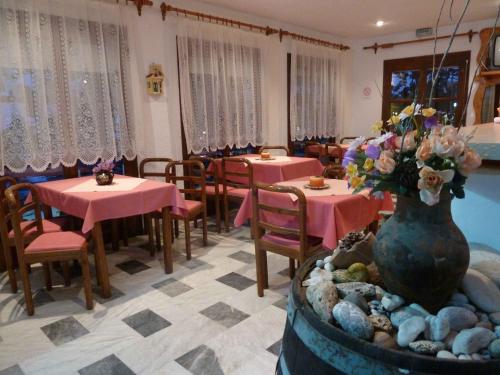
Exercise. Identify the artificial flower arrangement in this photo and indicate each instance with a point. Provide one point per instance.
(104, 166)
(103, 172)
(416, 156)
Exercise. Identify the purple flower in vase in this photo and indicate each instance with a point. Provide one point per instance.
(430, 122)
(349, 157)
(372, 152)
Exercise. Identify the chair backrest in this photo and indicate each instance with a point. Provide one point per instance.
(194, 178)
(213, 174)
(260, 225)
(237, 173)
(17, 210)
(334, 152)
(158, 164)
(284, 148)
(334, 171)
(308, 150)
(5, 222)
(347, 139)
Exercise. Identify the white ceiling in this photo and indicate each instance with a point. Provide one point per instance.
(357, 18)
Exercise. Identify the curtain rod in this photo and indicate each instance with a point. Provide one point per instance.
(376, 46)
(267, 30)
(138, 4)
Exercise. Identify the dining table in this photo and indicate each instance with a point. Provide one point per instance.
(277, 168)
(127, 196)
(332, 212)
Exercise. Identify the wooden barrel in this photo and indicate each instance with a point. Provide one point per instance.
(313, 347)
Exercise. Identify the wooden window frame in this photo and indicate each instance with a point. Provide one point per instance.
(423, 64)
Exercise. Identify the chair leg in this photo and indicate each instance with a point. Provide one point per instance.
(187, 232)
(47, 276)
(217, 213)
(226, 213)
(115, 240)
(149, 225)
(264, 267)
(97, 273)
(205, 228)
(28, 298)
(124, 232)
(158, 234)
(87, 286)
(176, 228)
(66, 273)
(259, 272)
(291, 268)
(9, 265)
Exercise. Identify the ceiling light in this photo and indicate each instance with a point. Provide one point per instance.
(380, 23)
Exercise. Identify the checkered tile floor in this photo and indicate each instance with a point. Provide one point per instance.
(205, 318)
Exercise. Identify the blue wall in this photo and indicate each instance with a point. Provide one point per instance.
(478, 215)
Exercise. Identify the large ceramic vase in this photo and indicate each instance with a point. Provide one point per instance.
(421, 253)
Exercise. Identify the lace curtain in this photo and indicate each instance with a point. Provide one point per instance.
(64, 84)
(221, 86)
(314, 91)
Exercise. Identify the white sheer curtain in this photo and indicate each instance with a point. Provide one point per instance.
(64, 84)
(315, 84)
(221, 79)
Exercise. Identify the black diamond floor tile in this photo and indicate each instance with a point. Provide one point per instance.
(224, 314)
(110, 365)
(201, 361)
(132, 266)
(64, 330)
(172, 287)
(146, 322)
(236, 281)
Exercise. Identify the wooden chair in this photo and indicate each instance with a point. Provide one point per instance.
(284, 148)
(194, 187)
(333, 153)
(213, 185)
(347, 139)
(334, 171)
(237, 181)
(293, 243)
(159, 164)
(308, 152)
(7, 234)
(44, 247)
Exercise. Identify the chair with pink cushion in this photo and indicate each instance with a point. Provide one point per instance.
(7, 234)
(290, 241)
(44, 247)
(237, 181)
(194, 180)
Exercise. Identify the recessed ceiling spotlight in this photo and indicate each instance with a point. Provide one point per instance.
(380, 23)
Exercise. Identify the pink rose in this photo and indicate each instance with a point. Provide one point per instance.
(424, 151)
(431, 182)
(409, 140)
(385, 163)
(469, 161)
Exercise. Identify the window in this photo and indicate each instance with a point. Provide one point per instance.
(410, 78)
(220, 79)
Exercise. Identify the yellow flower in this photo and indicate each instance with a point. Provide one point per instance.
(357, 181)
(378, 126)
(352, 169)
(409, 110)
(368, 165)
(394, 120)
(428, 112)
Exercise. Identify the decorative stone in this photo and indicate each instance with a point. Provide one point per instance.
(481, 291)
(495, 318)
(392, 301)
(358, 300)
(444, 354)
(458, 317)
(482, 317)
(357, 272)
(404, 313)
(320, 263)
(450, 339)
(359, 252)
(437, 328)
(465, 357)
(384, 340)
(322, 297)
(328, 259)
(464, 305)
(340, 276)
(329, 267)
(459, 298)
(497, 331)
(373, 274)
(472, 340)
(494, 348)
(353, 320)
(426, 347)
(381, 323)
(379, 293)
(417, 307)
(486, 261)
(409, 330)
(366, 290)
(477, 357)
(316, 276)
(486, 325)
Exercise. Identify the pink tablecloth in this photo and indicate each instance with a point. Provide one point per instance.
(328, 217)
(270, 172)
(95, 206)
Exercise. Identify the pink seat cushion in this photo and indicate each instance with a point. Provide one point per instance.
(289, 240)
(191, 206)
(56, 241)
(211, 189)
(236, 192)
(49, 226)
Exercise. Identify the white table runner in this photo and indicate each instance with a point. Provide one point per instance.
(337, 187)
(119, 184)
